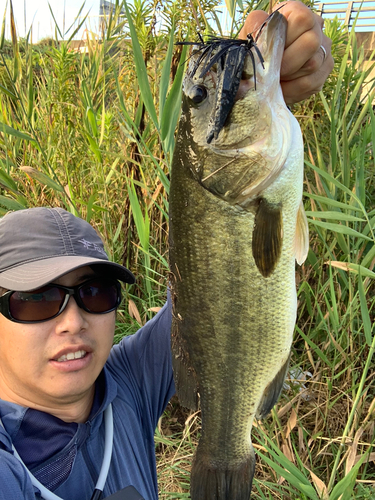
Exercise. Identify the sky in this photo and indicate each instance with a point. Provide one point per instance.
(38, 14)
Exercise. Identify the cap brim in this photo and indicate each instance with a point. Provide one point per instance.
(35, 274)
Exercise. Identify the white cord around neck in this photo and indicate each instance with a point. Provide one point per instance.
(108, 445)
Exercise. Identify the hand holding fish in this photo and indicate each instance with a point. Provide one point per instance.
(307, 59)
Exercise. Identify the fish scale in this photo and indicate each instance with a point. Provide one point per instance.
(236, 229)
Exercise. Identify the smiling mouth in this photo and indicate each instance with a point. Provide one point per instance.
(72, 355)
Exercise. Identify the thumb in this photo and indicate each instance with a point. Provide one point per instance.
(253, 21)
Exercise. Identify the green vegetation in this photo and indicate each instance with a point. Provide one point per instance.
(93, 131)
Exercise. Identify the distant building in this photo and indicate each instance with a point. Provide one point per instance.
(105, 8)
(361, 13)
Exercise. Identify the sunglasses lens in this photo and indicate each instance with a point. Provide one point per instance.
(37, 305)
(100, 295)
(96, 296)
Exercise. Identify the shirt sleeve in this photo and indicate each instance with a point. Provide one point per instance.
(15, 483)
(142, 363)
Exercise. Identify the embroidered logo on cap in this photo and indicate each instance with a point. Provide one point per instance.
(92, 246)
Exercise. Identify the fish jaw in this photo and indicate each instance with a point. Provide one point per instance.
(271, 43)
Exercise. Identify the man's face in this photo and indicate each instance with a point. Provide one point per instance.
(34, 369)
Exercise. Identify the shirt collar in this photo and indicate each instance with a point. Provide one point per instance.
(13, 415)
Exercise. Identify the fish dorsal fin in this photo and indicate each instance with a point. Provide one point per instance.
(272, 392)
(301, 242)
(267, 237)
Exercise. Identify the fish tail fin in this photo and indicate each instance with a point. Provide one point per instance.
(212, 482)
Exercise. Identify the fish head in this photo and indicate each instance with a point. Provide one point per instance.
(229, 102)
(237, 134)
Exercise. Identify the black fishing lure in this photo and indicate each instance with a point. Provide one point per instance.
(216, 49)
(229, 54)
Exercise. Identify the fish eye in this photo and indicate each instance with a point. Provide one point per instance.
(198, 94)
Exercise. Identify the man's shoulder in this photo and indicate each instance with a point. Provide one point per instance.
(14, 479)
(141, 366)
(153, 336)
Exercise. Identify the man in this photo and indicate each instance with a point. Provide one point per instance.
(62, 384)
(53, 388)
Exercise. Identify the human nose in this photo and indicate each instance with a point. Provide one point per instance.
(72, 319)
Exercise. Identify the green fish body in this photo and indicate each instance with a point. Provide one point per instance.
(236, 228)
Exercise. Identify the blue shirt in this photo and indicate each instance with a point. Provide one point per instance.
(66, 457)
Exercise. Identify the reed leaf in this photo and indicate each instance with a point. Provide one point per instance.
(332, 202)
(364, 310)
(15, 133)
(164, 80)
(172, 106)
(79, 26)
(290, 472)
(355, 268)
(345, 487)
(57, 29)
(7, 181)
(334, 216)
(141, 70)
(16, 54)
(337, 183)
(7, 92)
(11, 203)
(94, 147)
(43, 178)
(142, 222)
(231, 6)
(340, 228)
(369, 259)
(118, 229)
(2, 35)
(30, 94)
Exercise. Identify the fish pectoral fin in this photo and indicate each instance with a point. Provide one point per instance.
(272, 392)
(302, 236)
(267, 237)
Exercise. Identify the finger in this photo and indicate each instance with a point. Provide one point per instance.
(299, 90)
(304, 37)
(300, 19)
(304, 28)
(305, 86)
(253, 22)
(320, 58)
(297, 55)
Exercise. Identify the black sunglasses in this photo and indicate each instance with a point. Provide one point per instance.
(97, 296)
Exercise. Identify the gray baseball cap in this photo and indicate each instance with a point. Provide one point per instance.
(38, 245)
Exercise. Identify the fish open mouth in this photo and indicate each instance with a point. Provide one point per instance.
(226, 57)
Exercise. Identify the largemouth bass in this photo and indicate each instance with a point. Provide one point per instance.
(236, 228)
